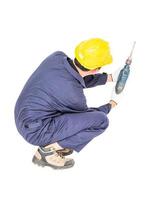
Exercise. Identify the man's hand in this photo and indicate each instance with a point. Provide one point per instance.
(115, 74)
(113, 103)
(109, 79)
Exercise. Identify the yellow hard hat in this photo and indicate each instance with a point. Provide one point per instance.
(93, 53)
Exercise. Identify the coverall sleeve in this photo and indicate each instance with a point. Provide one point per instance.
(96, 79)
(106, 108)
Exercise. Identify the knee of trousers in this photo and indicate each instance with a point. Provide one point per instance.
(102, 120)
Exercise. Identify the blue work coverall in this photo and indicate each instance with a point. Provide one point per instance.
(52, 106)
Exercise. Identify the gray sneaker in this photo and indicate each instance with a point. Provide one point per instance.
(50, 157)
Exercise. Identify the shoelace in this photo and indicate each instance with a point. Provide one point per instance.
(60, 154)
(55, 153)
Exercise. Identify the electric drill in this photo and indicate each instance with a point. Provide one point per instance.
(124, 73)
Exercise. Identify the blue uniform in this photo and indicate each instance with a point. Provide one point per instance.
(52, 106)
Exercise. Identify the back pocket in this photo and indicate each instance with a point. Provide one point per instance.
(34, 125)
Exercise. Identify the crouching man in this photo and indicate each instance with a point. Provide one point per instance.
(51, 111)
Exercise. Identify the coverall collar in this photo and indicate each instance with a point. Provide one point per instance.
(73, 72)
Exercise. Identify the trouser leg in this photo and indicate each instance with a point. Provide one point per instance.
(75, 130)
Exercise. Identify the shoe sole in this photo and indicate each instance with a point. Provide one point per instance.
(42, 163)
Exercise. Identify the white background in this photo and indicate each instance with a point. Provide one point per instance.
(127, 161)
